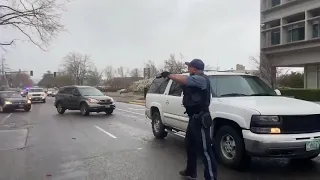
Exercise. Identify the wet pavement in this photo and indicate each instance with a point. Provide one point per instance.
(113, 147)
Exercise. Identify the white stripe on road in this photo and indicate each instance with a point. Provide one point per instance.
(4, 119)
(130, 112)
(137, 109)
(109, 134)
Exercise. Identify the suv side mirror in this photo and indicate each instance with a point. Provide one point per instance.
(277, 92)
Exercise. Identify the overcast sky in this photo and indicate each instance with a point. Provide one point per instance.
(130, 32)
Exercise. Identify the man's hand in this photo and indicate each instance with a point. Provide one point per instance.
(165, 74)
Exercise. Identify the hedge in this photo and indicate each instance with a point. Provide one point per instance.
(304, 94)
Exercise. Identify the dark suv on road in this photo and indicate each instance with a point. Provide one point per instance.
(12, 100)
(84, 98)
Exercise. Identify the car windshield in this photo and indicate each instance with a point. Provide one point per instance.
(239, 85)
(36, 90)
(10, 95)
(90, 91)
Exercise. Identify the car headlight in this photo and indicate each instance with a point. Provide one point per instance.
(8, 102)
(29, 102)
(93, 100)
(265, 124)
(111, 99)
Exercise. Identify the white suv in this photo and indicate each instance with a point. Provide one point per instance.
(249, 118)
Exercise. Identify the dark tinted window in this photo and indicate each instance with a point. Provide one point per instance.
(10, 94)
(175, 89)
(158, 86)
(67, 90)
(239, 86)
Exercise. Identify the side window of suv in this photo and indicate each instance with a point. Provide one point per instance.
(68, 90)
(158, 86)
(175, 89)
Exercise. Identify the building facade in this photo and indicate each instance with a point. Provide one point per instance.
(290, 36)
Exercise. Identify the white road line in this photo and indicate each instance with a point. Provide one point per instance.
(109, 134)
(130, 112)
(4, 119)
(137, 109)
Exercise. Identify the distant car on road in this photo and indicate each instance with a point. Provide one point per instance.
(84, 98)
(37, 95)
(11, 100)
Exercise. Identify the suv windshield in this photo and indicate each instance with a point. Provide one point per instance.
(10, 95)
(239, 85)
(90, 91)
(36, 90)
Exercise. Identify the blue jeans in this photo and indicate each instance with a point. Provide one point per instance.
(198, 141)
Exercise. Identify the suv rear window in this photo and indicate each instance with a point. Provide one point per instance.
(158, 86)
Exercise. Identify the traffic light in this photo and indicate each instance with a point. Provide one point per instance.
(31, 73)
(54, 74)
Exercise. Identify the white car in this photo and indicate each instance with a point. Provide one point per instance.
(249, 119)
(37, 95)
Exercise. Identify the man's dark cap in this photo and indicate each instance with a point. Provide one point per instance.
(196, 63)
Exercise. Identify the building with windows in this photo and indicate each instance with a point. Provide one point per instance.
(290, 36)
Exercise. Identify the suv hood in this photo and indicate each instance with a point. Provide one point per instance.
(274, 105)
(36, 93)
(99, 97)
(16, 99)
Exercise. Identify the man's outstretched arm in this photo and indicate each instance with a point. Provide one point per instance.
(180, 79)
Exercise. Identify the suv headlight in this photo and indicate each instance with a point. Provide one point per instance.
(265, 124)
(93, 100)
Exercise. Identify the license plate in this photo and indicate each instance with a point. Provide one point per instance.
(312, 145)
(107, 106)
(21, 105)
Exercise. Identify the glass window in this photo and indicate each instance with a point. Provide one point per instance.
(234, 85)
(275, 37)
(275, 3)
(316, 30)
(67, 90)
(296, 33)
(175, 89)
(36, 90)
(10, 95)
(90, 91)
(158, 86)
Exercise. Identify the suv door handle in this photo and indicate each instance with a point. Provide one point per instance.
(167, 102)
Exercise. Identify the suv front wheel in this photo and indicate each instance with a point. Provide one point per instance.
(158, 127)
(84, 109)
(230, 148)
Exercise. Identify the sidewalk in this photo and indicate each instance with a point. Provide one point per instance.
(127, 98)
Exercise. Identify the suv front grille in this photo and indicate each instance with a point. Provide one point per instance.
(36, 94)
(108, 101)
(300, 124)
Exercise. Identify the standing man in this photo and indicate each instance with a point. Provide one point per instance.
(196, 100)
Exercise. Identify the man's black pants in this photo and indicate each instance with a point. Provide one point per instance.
(198, 141)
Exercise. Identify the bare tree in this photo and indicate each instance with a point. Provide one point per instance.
(174, 66)
(77, 66)
(266, 70)
(153, 69)
(120, 71)
(38, 20)
(135, 72)
(94, 77)
(109, 73)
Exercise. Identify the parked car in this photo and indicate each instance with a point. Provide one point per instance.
(84, 98)
(249, 118)
(12, 100)
(37, 95)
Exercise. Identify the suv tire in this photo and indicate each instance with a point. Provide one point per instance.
(84, 109)
(109, 111)
(158, 127)
(27, 109)
(60, 108)
(228, 139)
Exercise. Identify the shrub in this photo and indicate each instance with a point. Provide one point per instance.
(139, 86)
(304, 94)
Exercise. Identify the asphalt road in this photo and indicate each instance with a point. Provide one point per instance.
(116, 147)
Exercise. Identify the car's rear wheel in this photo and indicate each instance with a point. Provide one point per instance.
(230, 148)
(109, 111)
(158, 127)
(44, 101)
(60, 108)
(84, 109)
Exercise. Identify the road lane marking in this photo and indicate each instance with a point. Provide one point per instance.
(137, 109)
(109, 134)
(130, 112)
(125, 115)
(4, 119)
